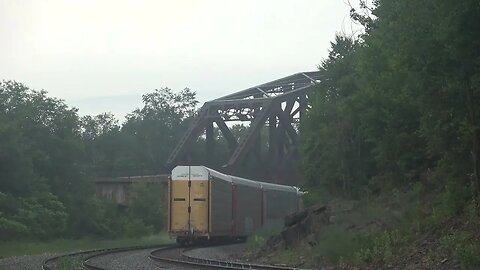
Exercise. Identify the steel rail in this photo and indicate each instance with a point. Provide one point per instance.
(46, 263)
(201, 262)
(86, 264)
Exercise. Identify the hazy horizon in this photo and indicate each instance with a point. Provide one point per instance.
(86, 51)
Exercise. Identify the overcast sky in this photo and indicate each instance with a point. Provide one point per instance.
(103, 55)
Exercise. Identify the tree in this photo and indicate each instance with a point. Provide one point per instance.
(107, 148)
(147, 204)
(157, 126)
(41, 160)
(422, 58)
(403, 103)
(334, 151)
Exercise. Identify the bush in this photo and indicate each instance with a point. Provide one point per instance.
(336, 242)
(256, 242)
(452, 201)
(93, 217)
(41, 216)
(11, 229)
(315, 196)
(136, 228)
(383, 248)
(45, 215)
(147, 204)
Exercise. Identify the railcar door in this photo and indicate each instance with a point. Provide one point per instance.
(199, 200)
(199, 191)
(179, 202)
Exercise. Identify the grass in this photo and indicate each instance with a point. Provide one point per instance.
(361, 229)
(381, 231)
(16, 248)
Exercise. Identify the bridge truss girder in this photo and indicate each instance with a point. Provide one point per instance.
(277, 105)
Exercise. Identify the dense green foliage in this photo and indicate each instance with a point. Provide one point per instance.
(142, 144)
(49, 157)
(399, 104)
(396, 112)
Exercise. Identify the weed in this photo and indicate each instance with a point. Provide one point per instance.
(461, 246)
(337, 241)
(449, 203)
(473, 213)
(287, 256)
(382, 249)
(66, 263)
(256, 243)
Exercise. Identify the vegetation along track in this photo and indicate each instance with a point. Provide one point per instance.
(179, 256)
(85, 256)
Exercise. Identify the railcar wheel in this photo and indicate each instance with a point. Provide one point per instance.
(182, 242)
(241, 239)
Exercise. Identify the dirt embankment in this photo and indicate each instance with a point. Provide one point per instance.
(302, 226)
(299, 229)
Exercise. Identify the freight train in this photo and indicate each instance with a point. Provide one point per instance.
(206, 205)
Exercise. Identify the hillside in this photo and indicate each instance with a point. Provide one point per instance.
(391, 144)
(394, 232)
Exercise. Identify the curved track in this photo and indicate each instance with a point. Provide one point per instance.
(178, 256)
(170, 256)
(86, 256)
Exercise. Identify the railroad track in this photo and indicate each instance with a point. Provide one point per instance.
(85, 257)
(170, 254)
(180, 257)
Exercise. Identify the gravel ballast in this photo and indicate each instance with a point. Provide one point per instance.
(221, 253)
(25, 262)
(136, 259)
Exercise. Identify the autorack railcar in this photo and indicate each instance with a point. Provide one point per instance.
(206, 205)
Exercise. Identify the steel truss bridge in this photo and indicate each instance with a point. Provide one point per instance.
(276, 106)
